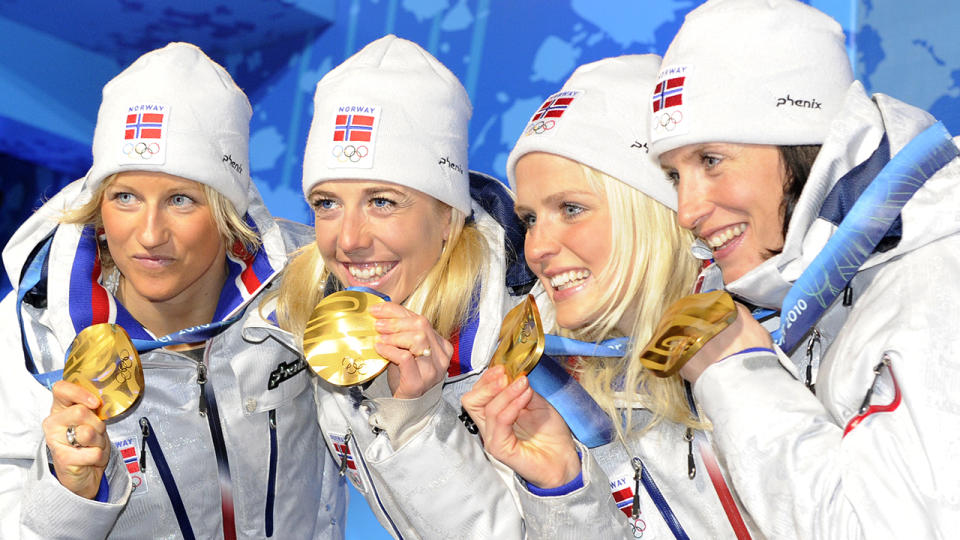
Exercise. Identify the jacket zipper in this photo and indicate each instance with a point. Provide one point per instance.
(166, 476)
(363, 464)
(208, 408)
(202, 382)
(641, 475)
(272, 477)
(810, 376)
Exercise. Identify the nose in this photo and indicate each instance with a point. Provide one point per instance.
(540, 244)
(354, 234)
(154, 229)
(693, 202)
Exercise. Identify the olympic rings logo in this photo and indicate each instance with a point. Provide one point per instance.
(669, 121)
(638, 526)
(542, 126)
(144, 150)
(349, 153)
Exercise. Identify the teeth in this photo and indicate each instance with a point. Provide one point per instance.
(569, 279)
(726, 235)
(368, 272)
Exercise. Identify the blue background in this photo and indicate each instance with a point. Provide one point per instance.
(56, 56)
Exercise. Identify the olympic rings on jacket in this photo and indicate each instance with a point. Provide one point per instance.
(349, 153)
(146, 151)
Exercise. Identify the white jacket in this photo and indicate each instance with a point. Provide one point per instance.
(422, 473)
(894, 475)
(282, 478)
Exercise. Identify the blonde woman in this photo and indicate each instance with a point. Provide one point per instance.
(167, 237)
(603, 238)
(386, 174)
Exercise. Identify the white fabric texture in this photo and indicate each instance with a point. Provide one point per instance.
(175, 111)
(391, 113)
(753, 71)
(600, 119)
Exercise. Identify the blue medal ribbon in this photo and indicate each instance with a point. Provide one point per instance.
(589, 423)
(861, 230)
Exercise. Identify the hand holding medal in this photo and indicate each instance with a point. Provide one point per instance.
(103, 378)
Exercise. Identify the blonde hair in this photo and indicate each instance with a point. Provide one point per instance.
(231, 225)
(651, 267)
(443, 297)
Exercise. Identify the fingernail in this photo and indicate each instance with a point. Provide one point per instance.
(520, 382)
(380, 324)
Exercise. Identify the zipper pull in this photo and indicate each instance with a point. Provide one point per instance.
(637, 467)
(885, 361)
(814, 340)
(346, 450)
(691, 465)
(272, 418)
(202, 381)
(145, 431)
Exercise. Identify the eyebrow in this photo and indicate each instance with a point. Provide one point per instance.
(367, 192)
(556, 199)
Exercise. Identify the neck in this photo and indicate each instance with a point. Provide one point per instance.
(194, 306)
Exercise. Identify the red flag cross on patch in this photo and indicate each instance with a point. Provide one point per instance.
(668, 93)
(624, 500)
(553, 107)
(344, 452)
(143, 126)
(353, 127)
(129, 454)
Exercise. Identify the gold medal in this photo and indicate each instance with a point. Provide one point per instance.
(521, 339)
(338, 342)
(104, 361)
(685, 327)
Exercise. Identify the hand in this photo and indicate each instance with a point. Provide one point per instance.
(744, 333)
(418, 356)
(79, 468)
(522, 430)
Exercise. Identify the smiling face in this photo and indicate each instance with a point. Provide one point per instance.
(379, 235)
(730, 196)
(569, 234)
(163, 239)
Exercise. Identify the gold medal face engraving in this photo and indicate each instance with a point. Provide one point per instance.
(687, 324)
(521, 339)
(103, 360)
(338, 342)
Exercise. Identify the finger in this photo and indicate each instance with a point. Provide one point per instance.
(416, 343)
(389, 310)
(500, 427)
(486, 387)
(403, 362)
(66, 394)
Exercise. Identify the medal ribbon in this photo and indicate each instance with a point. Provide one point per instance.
(590, 424)
(861, 230)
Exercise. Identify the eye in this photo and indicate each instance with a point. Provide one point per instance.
(181, 200)
(570, 210)
(382, 202)
(527, 219)
(673, 177)
(323, 204)
(709, 160)
(123, 197)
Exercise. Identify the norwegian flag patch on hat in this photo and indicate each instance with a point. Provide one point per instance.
(354, 135)
(668, 117)
(549, 114)
(144, 135)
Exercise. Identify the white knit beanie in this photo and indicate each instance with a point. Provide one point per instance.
(392, 113)
(599, 118)
(175, 111)
(750, 71)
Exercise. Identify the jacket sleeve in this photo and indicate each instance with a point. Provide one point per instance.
(588, 512)
(890, 476)
(447, 486)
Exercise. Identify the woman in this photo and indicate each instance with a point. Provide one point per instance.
(865, 448)
(386, 173)
(167, 237)
(604, 241)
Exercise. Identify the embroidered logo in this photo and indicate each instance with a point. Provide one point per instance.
(667, 102)
(549, 114)
(130, 453)
(803, 103)
(144, 134)
(354, 136)
(285, 371)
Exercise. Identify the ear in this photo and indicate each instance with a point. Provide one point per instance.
(446, 213)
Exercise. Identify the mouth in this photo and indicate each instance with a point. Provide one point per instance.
(368, 273)
(153, 261)
(568, 283)
(724, 238)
